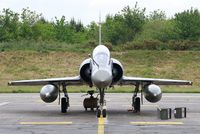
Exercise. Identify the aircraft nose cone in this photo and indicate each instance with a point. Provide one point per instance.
(102, 78)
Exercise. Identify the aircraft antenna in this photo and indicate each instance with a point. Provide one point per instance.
(100, 28)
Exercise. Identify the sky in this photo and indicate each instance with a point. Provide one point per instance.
(88, 10)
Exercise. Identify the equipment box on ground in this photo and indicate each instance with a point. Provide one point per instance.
(180, 112)
(164, 113)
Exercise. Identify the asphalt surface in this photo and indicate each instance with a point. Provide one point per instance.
(27, 114)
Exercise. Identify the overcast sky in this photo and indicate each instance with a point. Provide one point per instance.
(88, 10)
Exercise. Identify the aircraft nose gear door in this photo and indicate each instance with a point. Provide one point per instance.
(101, 112)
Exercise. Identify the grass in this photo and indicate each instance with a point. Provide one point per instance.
(44, 46)
(84, 89)
(64, 60)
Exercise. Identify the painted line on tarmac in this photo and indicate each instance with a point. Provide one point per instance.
(4, 103)
(101, 125)
(45, 123)
(156, 123)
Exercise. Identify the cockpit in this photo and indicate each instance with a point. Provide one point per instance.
(102, 59)
(101, 55)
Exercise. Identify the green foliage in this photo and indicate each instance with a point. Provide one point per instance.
(157, 15)
(162, 30)
(43, 30)
(123, 27)
(62, 30)
(92, 32)
(33, 26)
(184, 45)
(72, 32)
(187, 24)
(29, 19)
(84, 89)
(177, 45)
(145, 45)
(9, 22)
(130, 27)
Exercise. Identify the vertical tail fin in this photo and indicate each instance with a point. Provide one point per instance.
(100, 28)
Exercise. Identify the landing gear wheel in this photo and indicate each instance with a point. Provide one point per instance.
(63, 105)
(104, 113)
(64, 100)
(98, 113)
(137, 104)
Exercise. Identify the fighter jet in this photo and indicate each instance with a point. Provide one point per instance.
(102, 71)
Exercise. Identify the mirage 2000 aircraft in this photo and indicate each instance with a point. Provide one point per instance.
(101, 71)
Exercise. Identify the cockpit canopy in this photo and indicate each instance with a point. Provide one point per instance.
(101, 55)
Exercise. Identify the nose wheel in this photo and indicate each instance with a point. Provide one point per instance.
(101, 112)
(104, 113)
(98, 113)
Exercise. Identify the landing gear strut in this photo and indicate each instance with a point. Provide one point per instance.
(136, 100)
(64, 100)
(102, 108)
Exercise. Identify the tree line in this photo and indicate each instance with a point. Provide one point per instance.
(130, 27)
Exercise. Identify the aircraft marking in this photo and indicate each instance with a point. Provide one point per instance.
(101, 125)
(156, 123)
(45, 123)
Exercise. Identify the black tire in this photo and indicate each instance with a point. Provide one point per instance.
(104, 113)
(137, 104)
(67, 102)
(98, 113)
(63, 105)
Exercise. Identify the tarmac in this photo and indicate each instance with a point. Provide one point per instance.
(26, 114)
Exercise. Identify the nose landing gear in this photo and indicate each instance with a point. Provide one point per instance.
(101, 112)
(93, 102)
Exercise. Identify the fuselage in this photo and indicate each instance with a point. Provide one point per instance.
(101, 67)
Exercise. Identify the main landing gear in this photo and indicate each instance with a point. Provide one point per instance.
(101, 108)
(101, 111)
(64, 100)
(136, 100)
